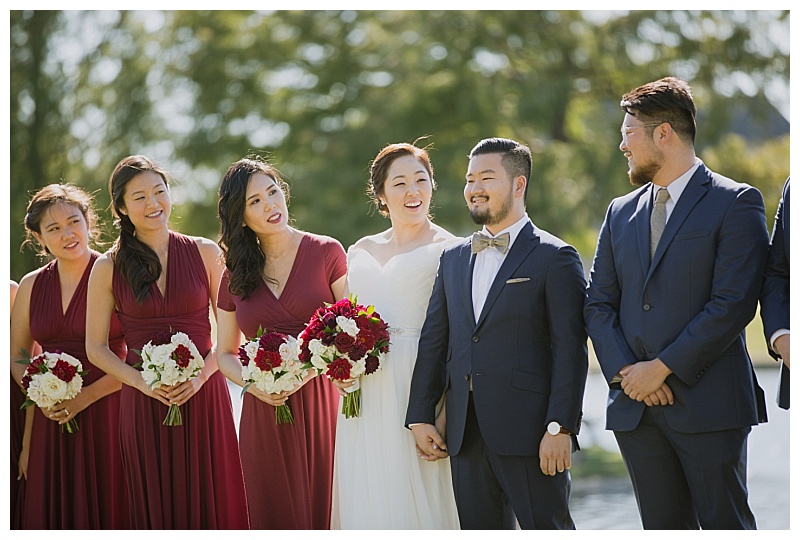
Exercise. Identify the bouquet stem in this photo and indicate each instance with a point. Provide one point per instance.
(174, 417)
(283, 414)
(351, 404)
(70, 427)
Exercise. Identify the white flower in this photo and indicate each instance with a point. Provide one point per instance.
(317, 348)
(357, 368)
(46, 390)
(348, 326)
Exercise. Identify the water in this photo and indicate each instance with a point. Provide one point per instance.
(610, 504)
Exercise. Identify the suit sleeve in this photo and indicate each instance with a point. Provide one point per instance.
(429, 377)
(775, 288)
(565, 288)
(740, 259)
(601, 308)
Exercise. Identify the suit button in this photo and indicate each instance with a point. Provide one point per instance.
(646, 307)
(466, 377)
(475, 339)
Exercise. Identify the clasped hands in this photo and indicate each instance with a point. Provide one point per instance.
(645, 381)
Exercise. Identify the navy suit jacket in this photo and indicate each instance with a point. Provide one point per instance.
(526, 355)
(689, 307)
(775, 290)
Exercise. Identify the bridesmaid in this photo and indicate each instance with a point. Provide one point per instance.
(74, 481)
(179, 477)
(276, 277)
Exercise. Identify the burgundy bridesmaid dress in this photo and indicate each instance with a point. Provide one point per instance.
(75, 480)
(288, 468)
(188, 476)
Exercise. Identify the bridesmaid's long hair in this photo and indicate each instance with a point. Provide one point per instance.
(51, 195)
(240, 247)
(135, 260)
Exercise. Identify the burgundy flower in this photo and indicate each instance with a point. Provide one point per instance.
(365, 341)
(339, 369)
(327, 339)
(64, 370)
(271, 341)
(357, 353)
(266, 360)
(26, 381)
(182, 356)
(344, 342)
(36, 365)
(305, 353)
(329, 320)
(373, 363)
(243, 358)
(274, 358)
(161, 338)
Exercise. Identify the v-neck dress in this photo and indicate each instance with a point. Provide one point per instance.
(288, 468)
(75, 480)
(188, 476)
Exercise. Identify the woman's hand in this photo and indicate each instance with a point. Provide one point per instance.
(68, 409)
(180, 393)
(341, 385)
(276, 400)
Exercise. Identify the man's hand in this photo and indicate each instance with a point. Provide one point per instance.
(430, 444)
(781, 346)
(662, 396)
(555, 453)
(643, 379)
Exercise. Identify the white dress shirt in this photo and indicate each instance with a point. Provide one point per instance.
(676, 188)
(488, 262)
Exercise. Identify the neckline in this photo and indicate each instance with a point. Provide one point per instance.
(292, 272)
(65, 312)
(393, 257)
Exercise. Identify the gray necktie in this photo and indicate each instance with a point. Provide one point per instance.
(481, 242)
(658, 219)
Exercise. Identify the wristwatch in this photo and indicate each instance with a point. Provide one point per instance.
(554, 428)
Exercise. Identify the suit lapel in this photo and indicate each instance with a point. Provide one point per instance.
(468, 262)
(525, 243)
(643, 210)
(694, 191)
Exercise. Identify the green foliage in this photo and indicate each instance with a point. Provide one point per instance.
(321, 92)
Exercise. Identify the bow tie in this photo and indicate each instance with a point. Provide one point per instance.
(481, 242)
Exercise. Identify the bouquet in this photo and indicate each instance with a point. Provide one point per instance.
(270, 361)
(169, 359)
(345, 340)
(50, 378)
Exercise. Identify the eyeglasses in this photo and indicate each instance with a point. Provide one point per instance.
(625, 131)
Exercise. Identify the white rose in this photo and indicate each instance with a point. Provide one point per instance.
(357, 368)
(51, 388)
(348, 326)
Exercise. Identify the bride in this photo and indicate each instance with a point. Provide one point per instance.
(379, 481)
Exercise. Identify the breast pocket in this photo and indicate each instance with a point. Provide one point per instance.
(521, 283)
(692, 235)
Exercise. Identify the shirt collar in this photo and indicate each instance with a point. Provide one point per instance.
(676, 187)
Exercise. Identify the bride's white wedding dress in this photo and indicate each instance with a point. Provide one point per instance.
(379, 482)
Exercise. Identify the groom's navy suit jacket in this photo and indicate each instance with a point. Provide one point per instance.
(689, 306)
(526, 356)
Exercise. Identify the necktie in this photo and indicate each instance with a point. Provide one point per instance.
(658, 219)
(481, 242)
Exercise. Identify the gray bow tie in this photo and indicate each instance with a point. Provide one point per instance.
(481, 242)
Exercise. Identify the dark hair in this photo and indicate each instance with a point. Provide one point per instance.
(240, 247)
(135, 260)
(379, 168)
(668, 100)
(53, 194)
(516, 157)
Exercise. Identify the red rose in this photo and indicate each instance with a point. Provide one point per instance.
(64, 370)
(339, 369)
(344, 342)
(182, 356)
(36, 365)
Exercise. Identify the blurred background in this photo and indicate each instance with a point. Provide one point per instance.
(321, 92)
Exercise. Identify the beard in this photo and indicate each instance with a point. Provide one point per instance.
(644, 174)
(487, 217)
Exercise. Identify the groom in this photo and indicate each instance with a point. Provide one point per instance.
(504, 341)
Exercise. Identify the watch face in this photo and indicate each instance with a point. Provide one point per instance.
(553, 428)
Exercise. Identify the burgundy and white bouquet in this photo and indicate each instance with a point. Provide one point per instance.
(345, 340)
(169, 359)
(270, 361)
(50, 378)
